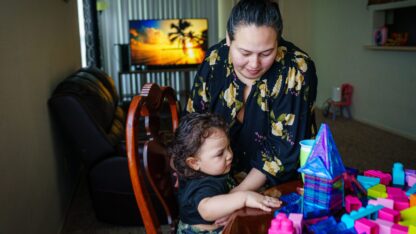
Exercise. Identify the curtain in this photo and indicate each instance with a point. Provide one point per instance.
(92, 42)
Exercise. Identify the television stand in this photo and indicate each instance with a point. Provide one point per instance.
(180, 79)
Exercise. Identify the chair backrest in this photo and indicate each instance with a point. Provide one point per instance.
(346, 90)
(148, 161)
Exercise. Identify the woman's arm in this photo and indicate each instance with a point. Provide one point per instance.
(213, 208)
(253, 181)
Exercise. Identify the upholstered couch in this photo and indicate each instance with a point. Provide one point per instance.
(85, 105)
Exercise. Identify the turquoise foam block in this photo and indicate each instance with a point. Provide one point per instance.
(369, 211)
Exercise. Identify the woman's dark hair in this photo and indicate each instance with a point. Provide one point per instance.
(255, 12)
(193, 129)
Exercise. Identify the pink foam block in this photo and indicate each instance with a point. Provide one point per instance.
(297, 220)
(384, 226)
(389, 215)
(394, 193)
(352, 203)
(385, 178)
(364, 225)
(411, 180)
(401, 203)
(399, 229)
(281, 224)
(389, 203)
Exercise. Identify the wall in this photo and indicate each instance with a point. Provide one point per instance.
(39, 46)
(334, 33)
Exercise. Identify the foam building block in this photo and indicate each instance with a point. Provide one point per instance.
(386, 202)
(367, 181)
(281, 225)
(384, 226)
(410, 172)
(385, 178)
(312, 221)
(370, 212)
(352, 186)
(412, 199)
(323, 226)
(389, 215)
(398, 174)
(411, 190)
(412, 229)
(401, 203)
(378, 190)
(410, 180)
(409, 214)
(364, 225)
(399, 229)
(292, 203)
(352, 203)
(297, 220)
(394, 193)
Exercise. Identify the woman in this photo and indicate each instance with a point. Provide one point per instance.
(264, 87)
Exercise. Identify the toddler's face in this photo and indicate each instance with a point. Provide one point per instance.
(215, 155)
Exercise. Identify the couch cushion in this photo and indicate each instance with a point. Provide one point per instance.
(93, 95)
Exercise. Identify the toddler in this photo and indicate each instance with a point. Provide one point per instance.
(202, 157)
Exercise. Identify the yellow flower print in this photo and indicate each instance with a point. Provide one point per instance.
(277, 128)
(190, 106)
(302, 64)
(202, 92)
(299, 81)
(294, 79)
(229, 95)
(233, 113)
(298, 53)
(291, 77)
(289, 119)
(276, 88)
(261, 98)
(213, 57)
(263, 106)
(272, 167)
(281, 51)
(263, 90)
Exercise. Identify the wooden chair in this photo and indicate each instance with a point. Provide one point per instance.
(148, 161)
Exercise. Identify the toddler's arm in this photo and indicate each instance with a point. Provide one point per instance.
(212, 208)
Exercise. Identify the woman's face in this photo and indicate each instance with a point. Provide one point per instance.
(252, 51)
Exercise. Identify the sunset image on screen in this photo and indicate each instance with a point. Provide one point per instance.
(168, 42)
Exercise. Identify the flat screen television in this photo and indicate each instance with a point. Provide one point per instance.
(168, 42)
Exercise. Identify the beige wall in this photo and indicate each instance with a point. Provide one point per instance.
(39, 46)
(334, 33)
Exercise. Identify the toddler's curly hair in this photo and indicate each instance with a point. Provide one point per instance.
(193, 129)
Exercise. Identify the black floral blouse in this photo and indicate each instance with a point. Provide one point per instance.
(278, 111)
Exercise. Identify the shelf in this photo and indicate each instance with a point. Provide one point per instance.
(392, 5)
(157, 70)
(391, 48)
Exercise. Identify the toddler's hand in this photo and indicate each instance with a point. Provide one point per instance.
(265, 203)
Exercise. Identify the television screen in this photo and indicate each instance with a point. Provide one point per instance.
(168, 42)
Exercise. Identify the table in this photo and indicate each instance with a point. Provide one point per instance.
(251, 220)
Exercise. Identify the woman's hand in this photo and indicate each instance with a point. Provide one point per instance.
(256, 200)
